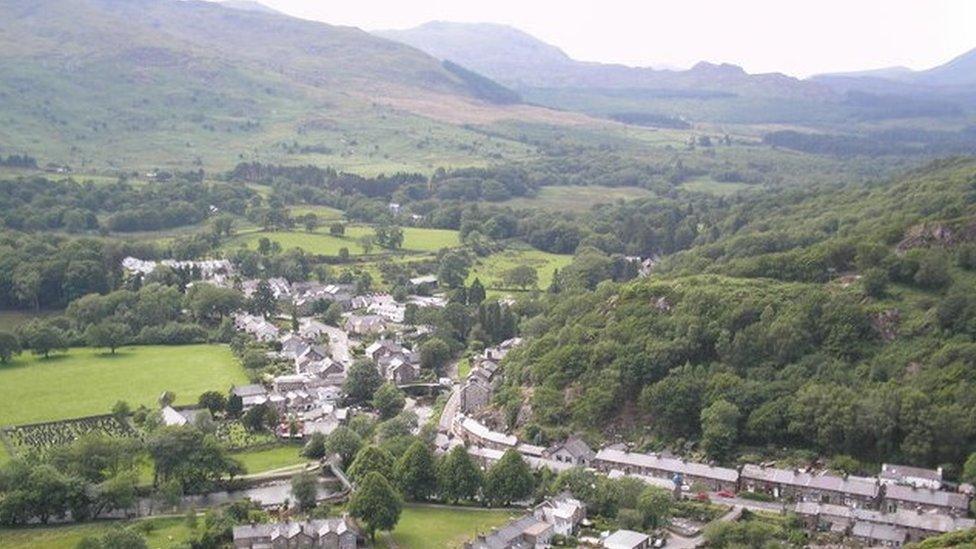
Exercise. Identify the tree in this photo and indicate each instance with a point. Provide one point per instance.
(315, 447)
(211, 303)
(260, 417)
(343, 442)
(510, 479)
(458, 478)
(415, 472)
(305, 489)
(121, 409)
(366, 243)
(9, 347)
(654, 505)
(969, 469)
(337, 229)
(190, 458)
(311, 222)
(108, 334)
(388, 400)
(43, 338)
(720, 428)
(476, 293)
(370, 459)
(522, 277)
(263, 300)
(453, 270)
(376, 503)
(362, 381)
(875, 282)
(434, 354)
(213, 401)
(235, 405)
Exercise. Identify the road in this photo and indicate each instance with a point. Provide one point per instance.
(450, 410)
(339, 345)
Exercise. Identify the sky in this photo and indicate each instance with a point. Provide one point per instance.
(795, 37)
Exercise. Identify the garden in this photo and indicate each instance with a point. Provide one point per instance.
(41, 437)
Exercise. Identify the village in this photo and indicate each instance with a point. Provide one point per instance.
(903, 504)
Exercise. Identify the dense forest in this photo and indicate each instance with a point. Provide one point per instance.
(837, 322)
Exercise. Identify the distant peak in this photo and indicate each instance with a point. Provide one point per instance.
(723, 68)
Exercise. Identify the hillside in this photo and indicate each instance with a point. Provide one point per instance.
(518, 59)
(135, 82)
(827, 321)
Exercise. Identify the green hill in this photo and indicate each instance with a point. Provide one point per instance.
(136, 83)
(824, 321)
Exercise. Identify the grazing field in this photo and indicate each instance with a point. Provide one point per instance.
(87, 382)
(576, 198)
(45, 436)
(321, 242)
(324, 213)
(267, 459)
(423, 526)
(161, 533)
(708, 185)
(491, 269)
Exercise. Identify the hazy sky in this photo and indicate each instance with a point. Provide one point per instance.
(796, 37)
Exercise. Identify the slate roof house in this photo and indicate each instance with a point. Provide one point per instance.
(912, 476)
(899, 496)
(573, 450)
(333, 533)
(689, 472)
(802, 486)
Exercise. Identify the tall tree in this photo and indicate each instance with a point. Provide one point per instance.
(720, 428)
(9, 346)
(370, 459)
(388, 401)
(458, 477)
(362, 381)
(508, 480)
(345, 443)
(263, 301)
(415, 472)
(304, 488)
(376, 503)
(108, 334)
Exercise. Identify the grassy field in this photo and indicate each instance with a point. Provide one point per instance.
(321, 242)
(324, 213)
(491, 269)
(576, 198)
(88, 382)
(708, 185)
(423, 526)
(165, 532)
(267, 459)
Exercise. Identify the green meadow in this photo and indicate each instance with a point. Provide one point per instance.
(84, 382)
(320, 242)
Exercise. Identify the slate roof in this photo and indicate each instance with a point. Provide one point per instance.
(672, 465)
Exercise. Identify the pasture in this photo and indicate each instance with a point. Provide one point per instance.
(415, 239)
(85, 382)
(490, 270)
(424, 526)
(159, 532)
(260, 460)
(576, 198)
(708, 185)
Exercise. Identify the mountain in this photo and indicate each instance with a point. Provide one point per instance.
(520, 60)
(134, 82)
(960, 71)
(248, 5)
(955, 76)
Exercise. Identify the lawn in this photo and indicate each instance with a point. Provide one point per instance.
(166, 532)
(491, 269)
(267, 459)
(321, 242)
(87, 382)
(423, 526)
(576, 198)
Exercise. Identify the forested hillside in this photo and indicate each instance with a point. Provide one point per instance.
(835, 321)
